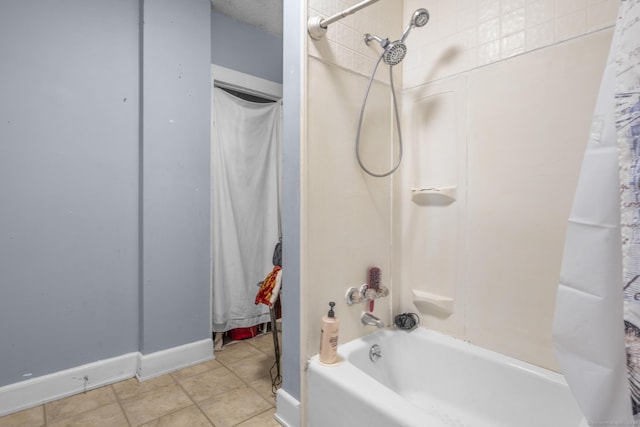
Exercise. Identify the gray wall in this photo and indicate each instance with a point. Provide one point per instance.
(245, 48)
(91, 207)
(68, 184)
(175, 173)
(291, 107)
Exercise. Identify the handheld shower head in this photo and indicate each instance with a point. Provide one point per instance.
(419, 19)
(394, 52)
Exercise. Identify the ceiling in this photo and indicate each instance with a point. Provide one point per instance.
(264, 14)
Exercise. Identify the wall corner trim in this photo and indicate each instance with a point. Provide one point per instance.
(36, 391)
(288, 411)
(25, 394)
(164, 361)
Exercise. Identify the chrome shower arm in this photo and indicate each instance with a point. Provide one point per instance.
(317, 26)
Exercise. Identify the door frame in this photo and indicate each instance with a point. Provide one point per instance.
(232, 79)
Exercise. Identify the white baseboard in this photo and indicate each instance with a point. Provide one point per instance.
(165, 361)
(36, 391)
(288, 411)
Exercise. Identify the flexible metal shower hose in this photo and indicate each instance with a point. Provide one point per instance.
(397, 117)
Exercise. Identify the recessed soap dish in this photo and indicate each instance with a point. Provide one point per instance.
(437, 195)
(442, 303)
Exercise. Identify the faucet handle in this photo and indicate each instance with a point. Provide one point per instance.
(369, 294)
(365, 293)
(353, 296)
(382, 291)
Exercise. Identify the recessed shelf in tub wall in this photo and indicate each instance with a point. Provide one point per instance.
(440, 302)
(434, 195)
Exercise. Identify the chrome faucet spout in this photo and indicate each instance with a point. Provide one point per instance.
(369, 319)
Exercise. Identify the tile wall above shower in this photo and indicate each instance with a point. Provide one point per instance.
(344, 43)
(464, 34)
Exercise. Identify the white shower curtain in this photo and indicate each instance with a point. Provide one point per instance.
(600, 262)
(245, 206)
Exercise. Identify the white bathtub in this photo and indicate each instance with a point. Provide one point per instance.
(427, 379)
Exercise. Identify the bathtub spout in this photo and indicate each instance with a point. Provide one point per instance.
(369, 319)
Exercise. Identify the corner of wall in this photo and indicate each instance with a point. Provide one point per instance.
(29, 393)
(288, 412)
(162, 362)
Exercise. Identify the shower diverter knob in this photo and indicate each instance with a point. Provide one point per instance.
(353, 296)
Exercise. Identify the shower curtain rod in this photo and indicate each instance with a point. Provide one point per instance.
(317, 26)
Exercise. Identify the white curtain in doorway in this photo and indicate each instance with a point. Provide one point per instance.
(245, 206)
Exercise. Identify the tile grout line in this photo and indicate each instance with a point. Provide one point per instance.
(67, 417)
(191, 398)
(227, 367)
(177, 383)
(126, 417)
(132, 398)
(247, 384)
(255, 416)
(272, 407)
(268, 354)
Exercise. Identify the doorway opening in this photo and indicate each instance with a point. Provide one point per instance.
(245, 208)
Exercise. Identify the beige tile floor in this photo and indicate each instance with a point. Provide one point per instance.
(232, 390)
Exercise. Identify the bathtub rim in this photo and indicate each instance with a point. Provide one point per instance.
(348, 380)
(344, 350)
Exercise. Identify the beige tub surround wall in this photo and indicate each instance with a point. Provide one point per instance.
(347, 213)
(520, 118)
(522, 179)
(431, 194)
